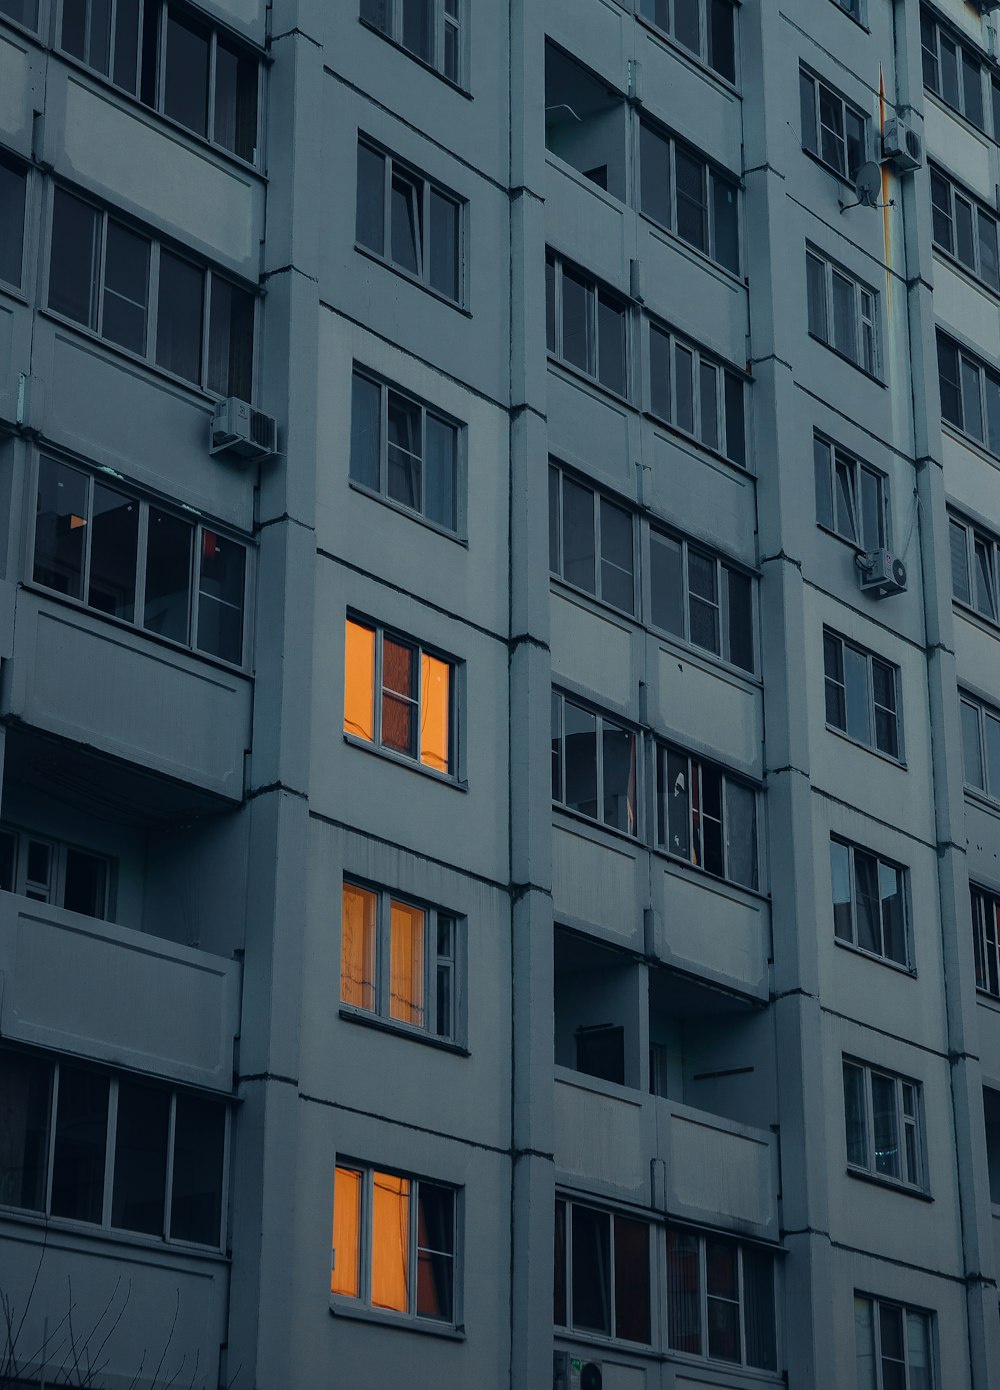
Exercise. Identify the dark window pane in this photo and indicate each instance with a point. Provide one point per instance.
(683, 1293)
(149, 58)
(807, 111)
(578, 536)
(677, 797)
(845, 329)
(180, 307)
(591, 1270)
(683, 388)
(126, 62)
(886, 1125)
(735, 421)
(600, 1052)
(816, 297)
(659, 373)
(60, 527)
(992, 755)
(74, 23)
(418, 27)
(81, 1137)
(24, 1129)
(577, 346)
(708, 378)
(703, 600)
(554, 520)
(686, 24)
(654, 175)
(559, 1281)
(377, 12)
(740, 620)
(581, 759)
(616, 556)
(855, 1120)
(741, 834)
(855, 132)
(972, 89)
(137, 1201)
(444, 269)
(972, 746)
(726, 229)
(872, 528)
(8, 852)
(949, 72)
(73, 267)
(230, 340)
(824, 483)
(86, 884)
(965, 243)
(941, 211)
(550, 304)
(948, 380)
(557, 746)
(758, 1309)
(435, 1252)
(405, 461)
(866, 892)
(893, 916)
(185, 91)
(856, 685)
(667, 583)
(12, 196)
(399, 696)
(988, 266)
(690, 175)
(619, 778)
(370, 225)
(840, 866)
(406, 223)
(199, 1144)
(220, 596)
(100, 35)
(960, 585)
(114, 537)
(632, 1303)
(722, 39)
(611, 344)
(126, 288)
(723, 1305)
(235, 125)
(441, 445)
(366, 411)
(168, 575)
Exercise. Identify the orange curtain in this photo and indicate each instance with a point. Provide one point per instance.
(435, 712)
(357, 947)
(359, 681)
(406, 963)
(345, 1277)
(390, 1241)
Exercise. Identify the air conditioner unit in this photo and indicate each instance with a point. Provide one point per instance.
(239, 429)
(902, 146)
(571, 1372)
(882, 573)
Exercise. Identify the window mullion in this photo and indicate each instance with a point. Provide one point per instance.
(109, 1151)
(51, 1142)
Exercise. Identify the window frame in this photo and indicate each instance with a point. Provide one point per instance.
(724, 568)
(978, 213)
(903, 1123)
(712, 176)
(31, 28)
(214, 32)
(821, 88)
(959, 387)
(362, 1303)
(597, 295)
(559, 700)
(854, 469)
(704, 52)
(904, 896)
(982, 569)
(702, 1238)
(873, 707)
(964, 56)
(867, 326)
(607, 1288)
(557, 534)
(695, 816)
(983, 712)
(114, 1078)
(201, 526)
(381, 1010)
(20, 171)
(54, 888)
(443, 21)
(728, 379)
(907, 1312)
(985, 908)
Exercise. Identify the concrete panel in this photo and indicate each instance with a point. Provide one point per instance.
(591, 882)
(8, 377)
(977, 655)
(595, 31)
(963, 152)
(131, 697)
(593, 651)
(108, 146)
(692, 294)
(699, 494)
(718, 1171)
(15, 86)
(584, 223)
(966, 309)
(589, 426)
(988, 1020)
(982, 831)
(705, 708)
(972, 474)
(598, 1136)
(131, 1307)
(84, 986)
(678, 91)
(706, 927)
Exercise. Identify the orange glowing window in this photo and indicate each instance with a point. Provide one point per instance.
(359, 681)
(357, 946)
(406, 963)
(390, 1241)
(435, 712)
(345, 1276)
(398, 696)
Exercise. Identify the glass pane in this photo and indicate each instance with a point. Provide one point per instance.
(840, 868)
(972, 749)
(185, 88)
(406, 222)
(960, 585)
(199, 1150)
(230, 340)
(972, 410)
(345, 1275)
(686, 24)
(366, 399)
(855, 131)
(100, 34)
(168, 575)
(399, 697)
(60, 527)
(735, 420)
(872, 529)
(845, 332)
(893, 915)
(591, 1270)
(683, 388)
(725, 229)
(992, 756)
(886, 1131)
(559, 1280)
(831, 121)
(359, 681)
(444, 267)
(683, 1293)
(866, 889)
(741, 834)
(856, 686)
(722, 39)
(579, 557)
(404, 448)
(709, 402)
(418, 27)
(441, 450)
(807, 111)
(616, 556)
(149, 57)
(406, 963)
(758, 1309)
(220, 596)
(8, 853)
(992, 392)
(918, 1351)
(611, 344)
(949, 88)
(435, 713)
(550, 304)
(941, 211)
(73, 267)
(855, 1120)
(703, 600)
(666, 583)
(74, 25)
(972, 89)
(816, 297)
(12, 197)
(390, 1241)
(140, 1184)
(654, 175)
(81, 1137)
(126, 287)
(988, 264)
(24, 1128)
(114, 539)
(179, 316)
(723, 1300)
(619, 778)
(740, 620)
(659, 373)
(886, 721)
(435, 1252)
(576, 329)
(85, 886)
(948, 381)
(581, 759)
(985, 579)
(235, 122)
(845, 501)
(632, 1303)
(864, 1344)
(370, 223)
(690, 174)
(357, 946)
(677, 808)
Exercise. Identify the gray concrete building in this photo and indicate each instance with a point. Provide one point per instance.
(500, 694)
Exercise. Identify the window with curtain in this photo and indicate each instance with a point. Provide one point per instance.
(399, 696)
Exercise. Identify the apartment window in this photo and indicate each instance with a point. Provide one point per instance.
(13, 197)
(110, 1150)
(697, 394)
(720, 1300)
(951, 70)
(681, 191)
(869, 901)
(593, 765)
(602, 1273)
(706, 816)
(852, 7)
(882, 1114)
(701, 599)
(169, 57)
(964, 229)
(586, 324)
(399, 696)
(861, 694)
(842, 312)
(409, 221)
(100, 544)
(429, 29)
(144, 297)
(986, 940)
(975, 557)
(981, 746)
(394, 1242)
(399, 960)
(404, 449)
(970, 393)
(892, 1345)
(851, 497)
(832, 129)
(707, 28)
(50, 871)
(591, 541)
(23, 11)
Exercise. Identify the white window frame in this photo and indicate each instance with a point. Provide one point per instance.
(449, 16)
(852, 850)
(977, 214)
(982, 713)
(870, 658)
(609, 1285)
(596, 292)
(695, 855)
(975, 386)
(727, 379)
(904, 1123)
(986, 939)
(906, 1312)
(559, 701)
(866, 315)
(53, 890)
(840, 462)
(821, 88)
(702, 1238)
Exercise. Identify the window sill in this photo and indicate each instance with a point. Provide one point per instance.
(611, 609)
(735, 1368)
(676, 430)
(342, 1307)
(387, 1025)
(416, 58)
(711, 880)
(595, 384)
(412, 279)
(409, 513)
(133, 1239)
(673, 46)
(868, 748)
(891, 1184)
(400, 760)
(849, 360)
(908, 970)
(729, 277)
(602, 1343)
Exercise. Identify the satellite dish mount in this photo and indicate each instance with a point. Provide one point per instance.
(868, 186)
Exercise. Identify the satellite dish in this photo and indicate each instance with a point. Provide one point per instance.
(868, 184)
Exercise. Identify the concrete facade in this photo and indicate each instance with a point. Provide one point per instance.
(671, 382)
